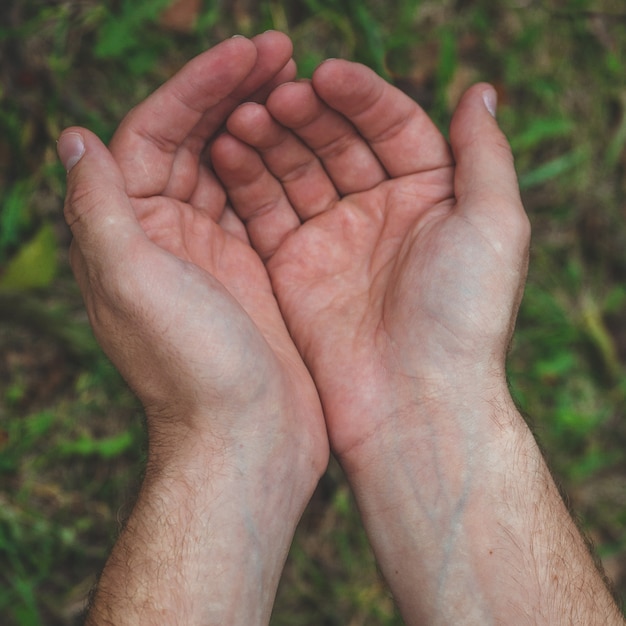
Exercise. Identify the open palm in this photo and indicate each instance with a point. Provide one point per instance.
(186, 309)
(388, 256)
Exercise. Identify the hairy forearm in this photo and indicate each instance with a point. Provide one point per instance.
(468, 525)
(205, 544)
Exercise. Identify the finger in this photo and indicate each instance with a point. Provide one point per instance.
(399, 132)
(151, 134)
(231, 224)
(208, 197)
(272, 67)
(485, 182)
(158, 144)
(207, 194)
(286, 75)
(305, 181)
(97, 208)
(257, 197)
(273, 49)
(349, 161)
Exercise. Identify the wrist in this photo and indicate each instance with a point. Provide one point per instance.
(281, 455)
(445, 414)
(271, 434)
(457, 484)
(209, 534)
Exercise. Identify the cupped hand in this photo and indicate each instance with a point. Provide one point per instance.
(398, 260)
(177, 297)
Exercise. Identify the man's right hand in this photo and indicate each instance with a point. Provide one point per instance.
(399, 263)
(184, 308)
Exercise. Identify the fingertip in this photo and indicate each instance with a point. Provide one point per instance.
(282, 90)
(485, 169)
(338, 74)
(234, 160)
(276, 37)
(71, 147)
(475, 116)
(223, 151)
(78, 145)
(94, 178)
(285, 75)
(480, 98)
(243, 44)
(490, 98)
(247, 121)
(275, 41)
(348, 87)
(326, 73)
(328, 66)
(290, 102)
(238, 56)
(482, 95)
(288, 73)
(240, 39)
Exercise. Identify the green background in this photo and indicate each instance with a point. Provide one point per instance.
(71, 435)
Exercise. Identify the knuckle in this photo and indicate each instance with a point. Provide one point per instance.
(81, 199)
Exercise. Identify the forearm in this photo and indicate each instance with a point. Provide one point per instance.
(205, 544)
(468, 525)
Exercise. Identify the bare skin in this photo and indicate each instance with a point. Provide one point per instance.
(186, 312)
(398, 263)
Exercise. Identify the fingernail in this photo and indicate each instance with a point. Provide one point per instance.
(490, 98)
(70, 148)
(238, 37)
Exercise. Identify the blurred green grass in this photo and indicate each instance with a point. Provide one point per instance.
(71, 438)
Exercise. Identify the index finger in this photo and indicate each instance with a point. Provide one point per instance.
(192, 105)
(399, 132)
(169, 114)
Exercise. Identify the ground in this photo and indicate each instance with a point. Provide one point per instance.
(71, 434)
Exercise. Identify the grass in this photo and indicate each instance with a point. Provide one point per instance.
(71, 438)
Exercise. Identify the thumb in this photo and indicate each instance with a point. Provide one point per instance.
(97, 208)
(485, 183)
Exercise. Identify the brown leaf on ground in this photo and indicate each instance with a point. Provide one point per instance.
(181, 15)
